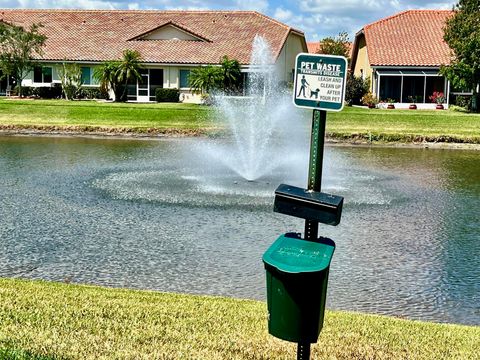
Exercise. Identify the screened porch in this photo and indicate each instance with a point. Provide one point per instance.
(410, 86)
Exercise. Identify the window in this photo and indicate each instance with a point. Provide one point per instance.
(86, 75)
(184, 74)
(42, 74)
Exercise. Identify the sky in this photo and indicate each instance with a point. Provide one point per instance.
(317, 18)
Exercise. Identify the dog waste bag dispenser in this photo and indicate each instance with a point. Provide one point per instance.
(297, 276)
(297, 267)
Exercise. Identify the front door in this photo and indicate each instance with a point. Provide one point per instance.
(143, 90)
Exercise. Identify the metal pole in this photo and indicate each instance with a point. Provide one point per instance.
(303, 351)
(315, 168)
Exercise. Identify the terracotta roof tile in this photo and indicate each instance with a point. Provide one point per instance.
(409, 38)
(99, 35)
(313, 47)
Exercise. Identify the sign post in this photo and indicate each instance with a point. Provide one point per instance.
(320, 83)
(297, 268)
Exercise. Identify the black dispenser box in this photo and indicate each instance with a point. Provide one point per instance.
(309, 205)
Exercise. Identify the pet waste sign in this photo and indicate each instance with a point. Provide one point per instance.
(320, 81)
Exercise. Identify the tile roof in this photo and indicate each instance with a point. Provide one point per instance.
(313, 47)
(409, 38)
(99, 35)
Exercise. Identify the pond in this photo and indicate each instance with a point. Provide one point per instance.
(150, 214)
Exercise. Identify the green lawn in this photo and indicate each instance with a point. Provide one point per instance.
(404, 125)
(91, 114)
(43, 320)
(351, 123)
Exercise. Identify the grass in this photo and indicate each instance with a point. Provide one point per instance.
(87, 115)
(350, 124)
(404, 125)
(42, 320)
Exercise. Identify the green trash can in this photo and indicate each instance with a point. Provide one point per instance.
(297, 277)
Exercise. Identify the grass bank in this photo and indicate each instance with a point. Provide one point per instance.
(352, 124)
(45, 321)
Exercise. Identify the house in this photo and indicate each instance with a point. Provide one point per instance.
(171, 44)
(402, 55)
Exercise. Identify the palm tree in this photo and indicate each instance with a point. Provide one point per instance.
(106, 75)
(231, 74)
(205, 78)
(115, 75)
(129, 69)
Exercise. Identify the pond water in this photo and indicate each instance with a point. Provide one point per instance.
(151, 214)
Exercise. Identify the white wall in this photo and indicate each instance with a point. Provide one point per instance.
(293, 46)
(169, 33)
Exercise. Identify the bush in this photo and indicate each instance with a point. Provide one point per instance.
(167, 95)
(356, 89)
(27, 91)
(369, 100)
(92, 93)
(464, 101)
(53, 92)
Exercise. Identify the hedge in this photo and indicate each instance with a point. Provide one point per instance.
(167, 95)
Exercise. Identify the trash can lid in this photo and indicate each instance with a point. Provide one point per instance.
(291, 254)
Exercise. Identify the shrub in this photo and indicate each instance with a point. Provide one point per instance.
(167, 95)
(27, 91)
(53, 92)
(356, 89)
(437, 97)
(464, 101)
(92, 93)
(369, 100)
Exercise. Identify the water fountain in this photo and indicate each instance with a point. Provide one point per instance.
(260, 125)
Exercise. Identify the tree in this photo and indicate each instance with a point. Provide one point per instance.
(462, 34)
(128, 70)
(231, 73)
(106, 75)
(115, 75)
(17, 50)
(339, 45)
(206, 78)
(356, 89)
(71, 78)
